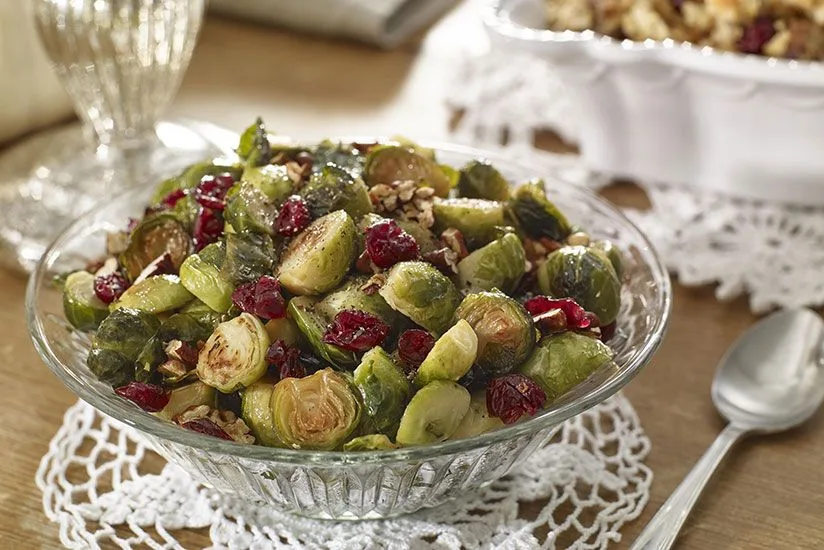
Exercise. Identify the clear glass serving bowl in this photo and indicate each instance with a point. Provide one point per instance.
(339, 485)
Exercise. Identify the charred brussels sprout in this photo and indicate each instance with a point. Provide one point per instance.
(535, 214)
(155, 295)
(477, 219)
(318, 259)
(389, 164)
(312, 325)
(333, 188)
(451, 357)
(480, 180)
(371, 442)
(500, 264)
(616, 258)
(234, 356)
(585, 275)
(248, 258)
(273, 181)
(506, 333)
(433, 414)
(318, 412)
(82, 308)
(154, 236)
(350, 296)
(257, 413)
(248, 210)
(422, 293)
(254, 147)
(118, 343)
(182, 398)
(384, 389)
(562, 361)
(477, 419)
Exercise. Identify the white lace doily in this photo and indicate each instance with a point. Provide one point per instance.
(772, 252)
(96, 489)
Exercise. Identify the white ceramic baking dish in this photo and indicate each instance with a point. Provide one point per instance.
(745, 125)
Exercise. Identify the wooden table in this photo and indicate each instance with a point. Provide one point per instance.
(769, 495)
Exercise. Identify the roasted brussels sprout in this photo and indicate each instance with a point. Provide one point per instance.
(451, 357)
(333, 188)
(234, 356)
(283, 329)
(194, 323)
(422, 293)
(254, 147)
(480, 180)
(433, 414)
(318, 259)
(303, 311)
(535, 214)
(192, 175)
(584, 275)
(562, 361)
(205, 281)
(149, 358)
(477, 219)
(616, 258)
(118, 343)
(154, 236)
(371, 442)
(257, 413)
(389, 164)
(427, 241)
(506, 333)
(477, 419)
(384, 389)
(350, 296)
(248, 258)
(339, 154)
(248, 210)
(155, 295)
(272, 180)
(81, 306)
(183, 398)
(500, 264)
(318, 412)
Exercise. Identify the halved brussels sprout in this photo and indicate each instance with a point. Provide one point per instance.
(477, 419)
(350, 296)
(154, 236)
(193, 323)
(283, 329)
(155, 295)
(149, 358)
(191, 395)
(422, 293)
(384, 389)
(451, 357)
(257, 413)
(272, 180)
(303, 311)
(333, 188)
(433, 414)
(562, 361)
(192, 175)
(506, 333)
(254, 145)
(318, 412)
(339, 154)
(535, 214)
(248, 258)
(389, 164)
(613, 253)
(118, 343)
(318, 259)
(584, 275)
(81, 306)
(234, 356)
(248, 210)
(500, 264)
(205, 281)
(477, 219)
(426, 152)
(371, 442)
(480, 180)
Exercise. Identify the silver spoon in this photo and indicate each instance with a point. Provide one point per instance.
(770, 380)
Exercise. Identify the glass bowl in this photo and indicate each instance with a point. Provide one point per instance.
(339, 485)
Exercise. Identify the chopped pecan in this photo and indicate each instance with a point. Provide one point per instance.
(454, 240)
(226, 420)
(445, 259)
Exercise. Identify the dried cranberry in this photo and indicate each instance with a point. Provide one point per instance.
(388, 244)
(355, 330)
(277, 352)
(206, 427)
(211, 191)
(261, 298)
(576, 316)
(110, 287)
(161, 265)
(293, 217)
(170, 200)
(757, 35)
(608, 331)
(414, 345)
(208, 227)
(511, 396)
(148, 397)
(292, 367)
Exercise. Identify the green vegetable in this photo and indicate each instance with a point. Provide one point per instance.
(477, 219)
(155, 295)
(506, 333)
(191, 176)
(371, 442)
(342, 155)
(150, 357)
(118, 343)
(194, 323)
(333, 188)
(318, 258)
(389, 164)
(185, 397)
(206, 281)
(248, 258)
(257, 413)
(587, 276)
(451, 357)
(83, 309)
(477, 420)
(254, 145)
(422, 293)
(384, 389)
(480, 180)
(248, 210)
(433, 414)
(427, 241)
(500, 264)
(154, 236)
(312, 325)
(318, 412)
(234, 356)
(562, 361)
(535, 214)
(613, 253)
(350, 296)
(272, 180)
(283, 329)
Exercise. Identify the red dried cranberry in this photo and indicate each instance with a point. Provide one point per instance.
(170, 200)
(511, 396)
(293, 217)
(608, 331)
(110, 287)
(261, 298)
(206, 427)
(292, 367)
(388, 244)
(757, 35)
(211, 191)
(148, 397)
(355, 330)
(414, 345)
(576, 316)
(277, 352)
(208, 227)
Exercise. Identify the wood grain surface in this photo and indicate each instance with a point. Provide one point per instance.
(769, 494)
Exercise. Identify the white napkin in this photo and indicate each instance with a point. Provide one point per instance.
(385, 23)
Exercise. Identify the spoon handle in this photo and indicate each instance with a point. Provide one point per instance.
(662, 530)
